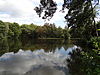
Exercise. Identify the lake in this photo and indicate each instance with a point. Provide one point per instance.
(36, 57)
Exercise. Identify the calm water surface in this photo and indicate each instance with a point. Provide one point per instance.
(35, 57)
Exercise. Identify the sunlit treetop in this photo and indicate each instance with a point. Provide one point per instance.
(49, 7)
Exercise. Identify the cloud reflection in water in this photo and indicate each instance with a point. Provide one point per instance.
(37, 62)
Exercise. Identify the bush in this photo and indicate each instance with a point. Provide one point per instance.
(95, 42)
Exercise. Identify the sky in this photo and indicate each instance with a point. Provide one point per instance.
(22, 12)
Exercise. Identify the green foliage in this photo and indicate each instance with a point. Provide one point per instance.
(80, 18)
(3, 30)
(51, 31)
(80, 15)
(4, 48)
(14, 30)
(95, 42)
(66, 34)
(28, 30)
(85, 62)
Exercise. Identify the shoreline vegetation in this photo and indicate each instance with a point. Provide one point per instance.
(47, 31)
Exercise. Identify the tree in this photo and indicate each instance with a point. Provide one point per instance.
(41, 32)
(28, 31)
(3, 30)
(80, 14)
(14, 30)
(60, 32)
(66, 33)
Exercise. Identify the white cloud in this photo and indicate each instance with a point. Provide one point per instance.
(21, 11)
(16, 8)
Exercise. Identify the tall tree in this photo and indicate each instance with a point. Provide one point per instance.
(80, 14)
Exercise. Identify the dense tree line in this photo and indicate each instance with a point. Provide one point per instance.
(14, 30)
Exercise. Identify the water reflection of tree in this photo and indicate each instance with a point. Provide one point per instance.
(47, 45)
(4, 46)
(13, 45)
(9, 45)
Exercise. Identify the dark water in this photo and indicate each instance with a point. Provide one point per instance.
(33, 45)
(37, 57)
